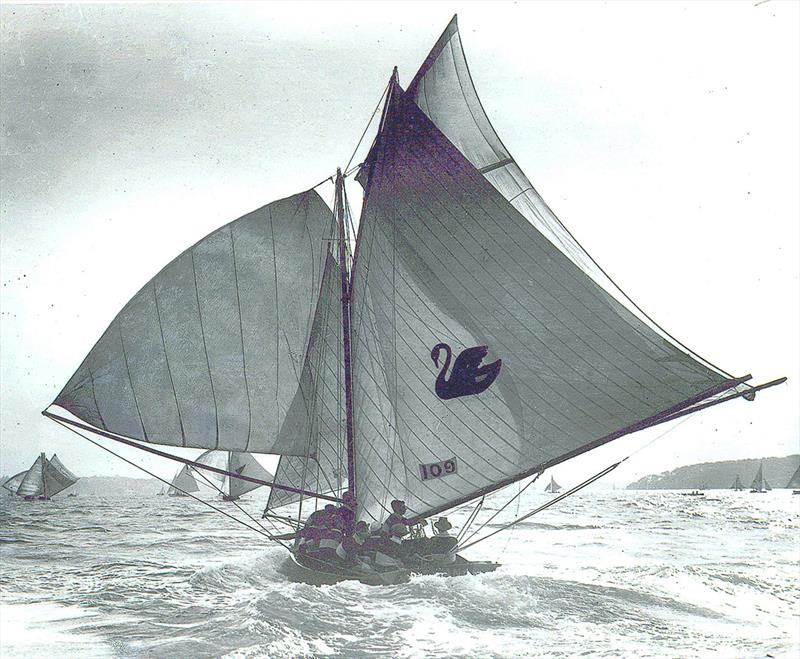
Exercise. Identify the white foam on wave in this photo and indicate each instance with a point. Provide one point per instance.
(47, 630)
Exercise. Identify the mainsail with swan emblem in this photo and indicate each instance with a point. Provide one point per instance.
(455, 247)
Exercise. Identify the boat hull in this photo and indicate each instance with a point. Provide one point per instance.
(306, 569)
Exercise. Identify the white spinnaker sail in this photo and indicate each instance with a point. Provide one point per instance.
(443, 257)
(443, 89)
(13, 483)
(318, 409)
(208, 354)
(32, 484)
(183, 482)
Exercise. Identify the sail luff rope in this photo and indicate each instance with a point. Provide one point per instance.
(186, 461)
(166, 482)
(575, 489)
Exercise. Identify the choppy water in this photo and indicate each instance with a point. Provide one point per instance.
(635, 574)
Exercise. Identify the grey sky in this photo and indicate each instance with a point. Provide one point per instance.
(665, 136)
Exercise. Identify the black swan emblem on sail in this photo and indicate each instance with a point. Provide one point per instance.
(468, 376)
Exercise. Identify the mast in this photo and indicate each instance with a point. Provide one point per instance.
(348, 375)
(44, 480)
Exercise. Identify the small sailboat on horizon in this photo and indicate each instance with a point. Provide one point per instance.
(552, 486)
(43, 480)
(760, 484)
(737, 484)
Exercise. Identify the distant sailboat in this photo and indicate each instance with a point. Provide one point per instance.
(275, 335)
(183, 484)
(737, 484)
(43, 480)
(234, 462)
(552, 486)
(759, 484)
(794, 482)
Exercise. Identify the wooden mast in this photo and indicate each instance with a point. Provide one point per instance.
(348, 377)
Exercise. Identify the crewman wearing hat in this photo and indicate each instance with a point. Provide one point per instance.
(442, 542)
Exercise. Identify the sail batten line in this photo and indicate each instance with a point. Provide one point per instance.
(241, 336)
(205, 350)
(130, 379)
(656, 419)
(167, 364)
(186, 461)
(523, 226)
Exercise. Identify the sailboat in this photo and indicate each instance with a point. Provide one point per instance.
(737, 484)
(552, 486)
(464, 342)
(234, 462)
(794, 482)
(43, 480)
(759, 484)
(183, 484)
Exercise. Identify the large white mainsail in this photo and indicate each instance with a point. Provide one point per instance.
(208, 353)
(444, 258)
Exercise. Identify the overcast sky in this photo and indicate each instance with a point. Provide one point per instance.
(665, 136)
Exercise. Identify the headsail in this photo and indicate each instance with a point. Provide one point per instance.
(447, 266)
(183, 483)
(208, 354)
(318, 409)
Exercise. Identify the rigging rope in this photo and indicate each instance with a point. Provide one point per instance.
(516, 496)
(369, 123)
(166, 482)
(575, 489)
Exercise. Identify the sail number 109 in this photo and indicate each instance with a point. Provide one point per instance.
(438, 469)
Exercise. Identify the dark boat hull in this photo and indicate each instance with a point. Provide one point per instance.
(319, 573)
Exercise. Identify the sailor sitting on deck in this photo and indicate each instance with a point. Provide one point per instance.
(396, 517)
(442, 545)
(351, 549)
